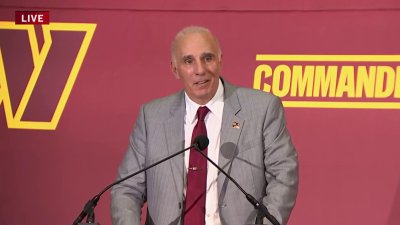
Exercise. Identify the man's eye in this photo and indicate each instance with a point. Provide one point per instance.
(188, 61)
(208, 58)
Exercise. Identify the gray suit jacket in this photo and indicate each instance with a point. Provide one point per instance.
(258, 153)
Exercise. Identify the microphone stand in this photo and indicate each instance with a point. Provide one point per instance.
(88, 209)
(257, 205)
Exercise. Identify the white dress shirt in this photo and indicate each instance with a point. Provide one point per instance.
(213, 122)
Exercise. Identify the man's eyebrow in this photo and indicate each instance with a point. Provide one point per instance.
(207, 54)
(187, 56)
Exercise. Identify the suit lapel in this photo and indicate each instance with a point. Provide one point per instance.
(231, 128)
(174, 134)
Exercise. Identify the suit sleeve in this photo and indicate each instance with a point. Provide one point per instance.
(281, 164)
(128, 197)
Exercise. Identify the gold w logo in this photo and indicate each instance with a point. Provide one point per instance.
(16, 116)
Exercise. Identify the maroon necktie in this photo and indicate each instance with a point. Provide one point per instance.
(197, 177)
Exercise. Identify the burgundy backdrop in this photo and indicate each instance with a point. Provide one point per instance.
(349, 158)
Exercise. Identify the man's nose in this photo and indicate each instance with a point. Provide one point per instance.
(199, 67)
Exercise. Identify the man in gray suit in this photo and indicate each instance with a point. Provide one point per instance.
(248, 139)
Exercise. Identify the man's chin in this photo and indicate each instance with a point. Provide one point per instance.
(201, 98)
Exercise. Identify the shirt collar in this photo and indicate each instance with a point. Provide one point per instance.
(212, 105)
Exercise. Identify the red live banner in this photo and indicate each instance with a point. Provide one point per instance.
(32, 17)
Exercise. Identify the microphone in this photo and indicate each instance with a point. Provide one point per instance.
(200, 145)
(200, 142)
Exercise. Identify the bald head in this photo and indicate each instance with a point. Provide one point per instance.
(193, 30)
(197, 62)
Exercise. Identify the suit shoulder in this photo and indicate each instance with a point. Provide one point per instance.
(161, 105)
(255, 96)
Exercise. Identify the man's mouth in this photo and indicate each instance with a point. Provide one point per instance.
(201, 82)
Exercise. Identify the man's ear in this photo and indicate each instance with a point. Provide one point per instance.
(220, 61)
(174, 70)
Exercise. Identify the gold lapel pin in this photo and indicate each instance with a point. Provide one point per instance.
(236, 125)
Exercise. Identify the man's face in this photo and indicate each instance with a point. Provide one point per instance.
(197, 65)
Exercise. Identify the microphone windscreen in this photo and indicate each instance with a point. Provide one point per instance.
(201, 142)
